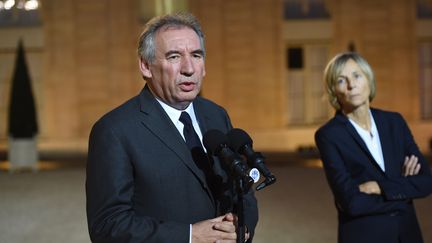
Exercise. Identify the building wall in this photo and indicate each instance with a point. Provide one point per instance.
(90, 66)
(86, 64)
(385, 35)
(244, 61)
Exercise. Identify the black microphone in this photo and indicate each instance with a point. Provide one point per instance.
(241, 142)
(216, 143)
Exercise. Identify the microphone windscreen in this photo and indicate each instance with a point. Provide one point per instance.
(213, 139)
(238, 138)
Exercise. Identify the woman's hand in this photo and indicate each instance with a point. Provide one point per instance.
(411, 166)
(370, 187)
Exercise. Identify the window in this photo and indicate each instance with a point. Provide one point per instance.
(424, 9)
(425, 75)
(307, 102)
(305, 9)
(295, 58)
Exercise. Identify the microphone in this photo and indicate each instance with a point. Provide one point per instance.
(241, 142)
(216, 143)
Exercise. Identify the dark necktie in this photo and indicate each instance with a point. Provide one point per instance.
(194, 144)
(192, 140)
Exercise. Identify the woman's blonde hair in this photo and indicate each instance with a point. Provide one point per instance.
(334, 69)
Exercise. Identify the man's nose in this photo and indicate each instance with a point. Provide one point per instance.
(187, 67)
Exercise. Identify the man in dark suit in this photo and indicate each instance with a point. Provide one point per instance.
(372, 163)
(143, 182)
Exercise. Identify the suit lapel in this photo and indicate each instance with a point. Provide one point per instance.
(385, 136)
(219, 177)
(353, 133)
(201, 115)
(157, 121)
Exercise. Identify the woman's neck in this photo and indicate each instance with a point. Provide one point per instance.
(361, 117)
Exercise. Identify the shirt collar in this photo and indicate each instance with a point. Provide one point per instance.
(174, 114)
(373, 128)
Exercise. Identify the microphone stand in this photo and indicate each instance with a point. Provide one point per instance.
(243, 184)
(240, 189)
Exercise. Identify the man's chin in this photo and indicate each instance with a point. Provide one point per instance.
(189, 96)
(183, 102)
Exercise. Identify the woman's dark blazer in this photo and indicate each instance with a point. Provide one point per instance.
(363, 218)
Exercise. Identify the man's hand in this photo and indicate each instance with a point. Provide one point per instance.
(221, 230)
(411, 166)
(215, 230)
(370, 187)
(232, 218)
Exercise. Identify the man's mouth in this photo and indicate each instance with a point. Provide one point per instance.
(187, 86)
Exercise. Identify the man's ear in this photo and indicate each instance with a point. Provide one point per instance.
(145, 68)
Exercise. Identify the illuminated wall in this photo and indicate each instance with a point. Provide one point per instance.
(83, 61)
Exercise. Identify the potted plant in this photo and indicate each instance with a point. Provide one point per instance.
(22, 121)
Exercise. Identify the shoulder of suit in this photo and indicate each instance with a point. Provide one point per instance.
(334, 123)
(208, 104)
(386, 114)
(330, 127)
(122, 112)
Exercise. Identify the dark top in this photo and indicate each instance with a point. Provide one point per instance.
(387, 218)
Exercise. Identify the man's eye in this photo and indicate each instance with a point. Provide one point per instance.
(173, 57)
(197, 55)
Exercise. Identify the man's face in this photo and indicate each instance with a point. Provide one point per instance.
(176, 73)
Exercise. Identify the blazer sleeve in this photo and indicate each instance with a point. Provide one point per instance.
(410, 187)
(345, 189)
(109, 190)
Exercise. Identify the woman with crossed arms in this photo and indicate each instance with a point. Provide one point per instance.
(372, 163)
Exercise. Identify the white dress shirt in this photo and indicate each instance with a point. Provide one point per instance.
(174, 115)
(372, 140)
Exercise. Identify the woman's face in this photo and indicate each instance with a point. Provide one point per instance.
(352, 87)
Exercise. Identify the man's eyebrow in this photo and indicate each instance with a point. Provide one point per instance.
(168, 53)
(199, 52)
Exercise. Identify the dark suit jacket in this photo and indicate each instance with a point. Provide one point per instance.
(387, 218)
(142, 184)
